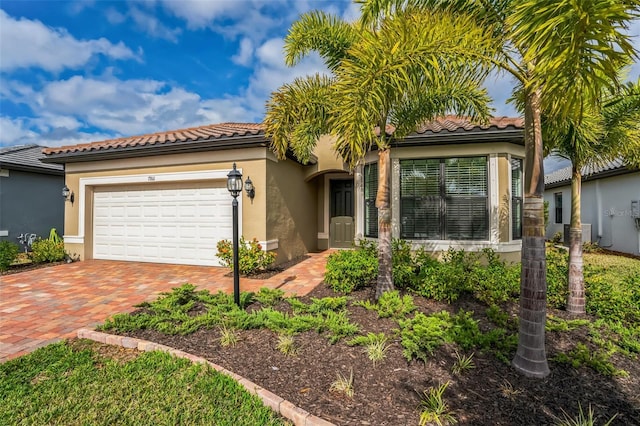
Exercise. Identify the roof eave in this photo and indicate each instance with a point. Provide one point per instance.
(156, 149)
(607, 173)
(514, 135)
(31, 169)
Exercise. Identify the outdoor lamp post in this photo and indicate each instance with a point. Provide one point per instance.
(234, 185)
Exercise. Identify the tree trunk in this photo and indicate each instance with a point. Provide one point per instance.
(385, 278)
(575, 299)
(531, 358)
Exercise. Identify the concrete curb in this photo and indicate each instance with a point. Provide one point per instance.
(286, 409)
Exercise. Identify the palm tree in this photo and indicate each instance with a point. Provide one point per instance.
(550, 47)
(394, 75)
(608, 131)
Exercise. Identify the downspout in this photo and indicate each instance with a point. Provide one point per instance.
(599, 210)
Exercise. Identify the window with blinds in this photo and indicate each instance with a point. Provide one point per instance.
(444, 199)
(516, 198)
(370, 193)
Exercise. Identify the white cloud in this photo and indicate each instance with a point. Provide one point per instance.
(26, 43)
(14, 131)
(245, 54)
(200, 13)
(152, 26)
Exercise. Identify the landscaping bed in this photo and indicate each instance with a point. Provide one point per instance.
(390, 392)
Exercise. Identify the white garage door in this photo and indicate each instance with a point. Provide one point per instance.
(162, 225)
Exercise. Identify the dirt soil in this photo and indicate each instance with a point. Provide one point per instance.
(390, 393)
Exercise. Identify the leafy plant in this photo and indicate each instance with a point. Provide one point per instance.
(349, 270)
(508, 391)
(558, 324)
(228, 337)
(375, 345)
(269, 297)
(582, 419)
(251, 258)
(404, 264)
(597, 360)
(462, 363)
(390, 305)
(338, 325)
(434, 408)
(343, 384)
(557, 238)
(8, 254)
(557, 270)
(327, 304)
(49, 250)
(287, 345)
(497, 316)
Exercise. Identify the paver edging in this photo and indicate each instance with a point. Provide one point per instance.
(285, 408)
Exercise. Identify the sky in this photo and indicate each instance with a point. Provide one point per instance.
(83, 71)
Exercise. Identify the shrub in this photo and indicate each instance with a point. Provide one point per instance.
(496, 282)
(404, 265)
(557, 238)
(390, 305)
(47, 251)
(349, 270)
(251, 258)
(557, 285)
(446, 280)
(8, 254)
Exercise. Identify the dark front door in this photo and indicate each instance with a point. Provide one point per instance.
(341, 227)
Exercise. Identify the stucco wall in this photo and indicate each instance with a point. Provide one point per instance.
(606, 205)
(291, 214)
(30, 203)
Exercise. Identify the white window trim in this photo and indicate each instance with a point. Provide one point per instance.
(145, 178)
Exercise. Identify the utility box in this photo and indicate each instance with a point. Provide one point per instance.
(586, 233)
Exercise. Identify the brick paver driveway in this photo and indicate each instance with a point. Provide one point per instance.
(45, 305)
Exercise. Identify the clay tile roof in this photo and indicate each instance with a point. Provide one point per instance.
(452, 123)
(194, 134)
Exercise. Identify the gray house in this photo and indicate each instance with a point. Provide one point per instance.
(31, 199)
(610, 205)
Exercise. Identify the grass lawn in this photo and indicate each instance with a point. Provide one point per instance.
(79, 382)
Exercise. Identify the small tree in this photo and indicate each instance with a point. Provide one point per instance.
(387, 77)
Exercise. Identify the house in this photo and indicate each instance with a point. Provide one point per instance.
(162, 197)
(30, 193)
(610, 205)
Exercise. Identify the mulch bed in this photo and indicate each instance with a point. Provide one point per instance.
(389, 394)
(274, 270)
(15, 269)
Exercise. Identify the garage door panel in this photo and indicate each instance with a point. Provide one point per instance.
(162, 225)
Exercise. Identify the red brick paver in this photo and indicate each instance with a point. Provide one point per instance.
(45, 305)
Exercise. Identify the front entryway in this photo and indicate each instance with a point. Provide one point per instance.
(341, 217)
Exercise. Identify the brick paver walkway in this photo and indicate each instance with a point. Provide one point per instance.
(45, 305)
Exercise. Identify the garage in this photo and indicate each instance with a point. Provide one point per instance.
(169, 223)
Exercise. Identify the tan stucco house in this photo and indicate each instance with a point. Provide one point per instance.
(162, 197)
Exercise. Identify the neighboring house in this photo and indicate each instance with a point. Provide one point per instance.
(30, 193)
(163, 197)
(610, 205)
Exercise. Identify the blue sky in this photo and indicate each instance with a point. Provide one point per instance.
(76, 72)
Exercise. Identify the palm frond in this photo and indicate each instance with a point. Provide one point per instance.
(321, 32)
(298, 114)
(578, 48)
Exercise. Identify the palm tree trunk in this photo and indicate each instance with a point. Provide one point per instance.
(385, 279)
(575, 299)
(531, 358)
